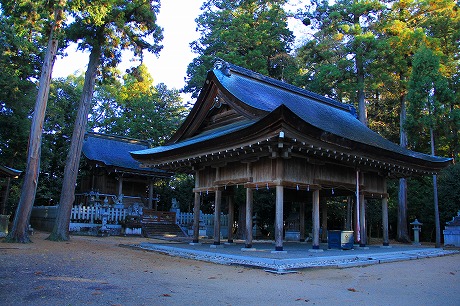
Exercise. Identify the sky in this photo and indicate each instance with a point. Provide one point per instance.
(177, 18)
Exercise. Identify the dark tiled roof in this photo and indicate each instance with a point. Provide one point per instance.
(114, 151)
(326, 114)
(267, 95)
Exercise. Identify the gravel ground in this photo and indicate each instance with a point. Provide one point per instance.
(98, 271)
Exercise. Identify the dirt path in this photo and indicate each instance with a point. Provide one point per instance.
(97, 271)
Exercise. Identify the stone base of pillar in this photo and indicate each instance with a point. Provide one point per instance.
(230, 242)
(386, 246)
(315, 250)
(217, 246)
(194, 243)
(279, 252)
(250, 249)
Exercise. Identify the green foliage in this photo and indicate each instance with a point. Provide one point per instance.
(337, 59)
(449, 193)
(429, 98)
(60, 117)
(115, 26)
(179, 187)
(20, 61)
(249, 33)
(138, 109)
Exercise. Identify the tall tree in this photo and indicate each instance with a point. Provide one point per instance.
(19, 231)
(347, 25)
(403, 30)
(428, 97)
(250, 33)
(106, 29)
(138, 109)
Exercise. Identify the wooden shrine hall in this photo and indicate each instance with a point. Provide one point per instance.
(250, 130)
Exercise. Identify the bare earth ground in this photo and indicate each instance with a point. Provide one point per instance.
(98, 271)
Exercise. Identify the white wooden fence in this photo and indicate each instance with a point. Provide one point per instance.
(186, 219)
(94, 214)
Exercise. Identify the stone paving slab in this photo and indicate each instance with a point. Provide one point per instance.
(295, 255)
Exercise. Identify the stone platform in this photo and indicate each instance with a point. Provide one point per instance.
(295, 255)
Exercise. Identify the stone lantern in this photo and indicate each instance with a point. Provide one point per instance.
(417, 229)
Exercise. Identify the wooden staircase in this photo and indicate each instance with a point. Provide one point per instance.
(162, 230)
(160, 225)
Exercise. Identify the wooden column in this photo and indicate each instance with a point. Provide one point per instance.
(120, 185)
(249, 209)
(5, 196)
(249, 204)
(386, 240)
(356, 219)
(315, 218)
(196, 210)
(196, 218)
(279, 218)
(362, 221)
(349, 213)
(231, 218)
(323, 220)
(150, 204)
(217, 205)
(302, 221)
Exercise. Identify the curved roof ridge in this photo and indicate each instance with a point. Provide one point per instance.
(226, 67)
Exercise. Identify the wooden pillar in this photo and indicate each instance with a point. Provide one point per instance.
(241, 230)
(356, 218)
(323, 220)
(386, 240)
(196, 218)
(302, 221)
(315, 218)
(349, 213)
(196, 210)
(217, 205)
(231, 218)
(362, 221)
(5, 196)
(120, 185)
(249, 204)
(279, 218)
(150, 204)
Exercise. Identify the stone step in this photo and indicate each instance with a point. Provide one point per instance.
(162, 230)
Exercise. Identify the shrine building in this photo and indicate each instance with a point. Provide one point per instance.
(250, 130)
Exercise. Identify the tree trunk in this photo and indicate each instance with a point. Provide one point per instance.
(361, 98)
(435, 195)
(402, 232)
(61, 226)
(19, 231)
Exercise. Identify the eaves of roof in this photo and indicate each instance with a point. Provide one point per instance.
(302, 137)
(9, 172)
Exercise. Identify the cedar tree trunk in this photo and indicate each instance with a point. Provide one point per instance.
(402, 233)
(19, 231)
(61, 226)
